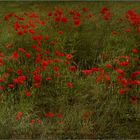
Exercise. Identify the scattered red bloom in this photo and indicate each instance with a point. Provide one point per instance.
(122, 91)
(135, 51)
(114, 33)
(72, 68)
(108, 66)
(20, 80)
(15, 55)
(19, 115)
(105, 13)
(77, 22)
(2, 88)
(36, 85)
(1, 80)
(32, 122)
(5, 75)
(46, 38)
(87, 72)
(59, 53)
(119, 71)
(135, 74)
(69, 84)
(48, 78)
(27, 93)
(27, 55)
(95, 69)
(133, 99)
(19, 72)
(127, 30)
(60, 32)
(9, 70)
(21, 50)
(67, 62)
(55, 68)
(37, 78)
(50, 14)
(138, 30)
(56, 74)
(11, 86)
(59, 115)
(85, 9)
(68, 56)
(49, 115)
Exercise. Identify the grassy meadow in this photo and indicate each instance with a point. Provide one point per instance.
(70, 70)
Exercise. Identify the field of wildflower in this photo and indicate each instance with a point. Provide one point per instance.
(70, 70)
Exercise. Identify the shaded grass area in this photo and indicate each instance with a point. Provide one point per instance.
(91, 110)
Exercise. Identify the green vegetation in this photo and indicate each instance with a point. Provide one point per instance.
(70, 81)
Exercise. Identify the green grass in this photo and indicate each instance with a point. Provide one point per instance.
(89, 109)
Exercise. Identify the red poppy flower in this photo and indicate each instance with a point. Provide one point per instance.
(6, 18)
(60, 32)
(56, 60)
(108, 66)
(105, 13)
(15, 55)
(44, 64)
(1, 80)
(21, 50)
(95, 69)
(104, 10)
(31, 31)
(135, 74)
(48, 78)
(20, 32)
(114, 33)
(135, 82)
(122, 91)
(2, 88)
(19, 72)
(72, 68)
(5, 75)
(133, 99)
(27, 55)
(9, 70)
(59, 115)
(138, 30)
(77, 22)
(127, 30)
(20, 80)
(46, 37)
(59, 53)
(68, 56)
(37, 78)
(39, 121)
(19, 115)
(67, 62)
(49, 115)
(86, 72)
(135, 51)
(124, 82)
(56, 74)
(27, 93)
(55, 68)
(36, 85)
(85, 9)
(64, 19)
(69, 84)
(11, 86)
(16, 26)
(32, 122)
(50, 14)
(119, 71)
